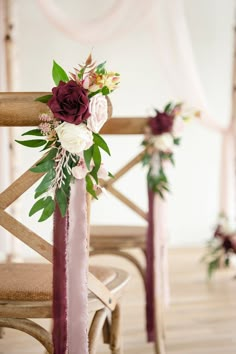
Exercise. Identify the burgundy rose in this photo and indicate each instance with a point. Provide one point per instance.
(162, 123)
(70, 102)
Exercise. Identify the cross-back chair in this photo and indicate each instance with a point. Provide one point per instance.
(26, 289)
(118, 240)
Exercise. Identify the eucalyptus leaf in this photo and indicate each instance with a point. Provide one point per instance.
(98, 140)
(59, 74)
(32, 143)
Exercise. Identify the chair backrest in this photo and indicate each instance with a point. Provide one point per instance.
(21, 109)
(125, 126)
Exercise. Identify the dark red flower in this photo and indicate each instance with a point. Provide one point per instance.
(161, 123)
(70, 102)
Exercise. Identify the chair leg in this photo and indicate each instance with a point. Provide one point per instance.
(107, 330)
(31, 328)
(96, 329)
(160, 333)
(116, 341)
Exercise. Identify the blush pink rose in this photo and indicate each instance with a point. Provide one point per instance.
(98, 113)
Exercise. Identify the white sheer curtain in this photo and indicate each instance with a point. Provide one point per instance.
(173, 49)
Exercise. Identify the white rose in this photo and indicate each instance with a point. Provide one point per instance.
(98, 111)
(74, 138)
(163, 142)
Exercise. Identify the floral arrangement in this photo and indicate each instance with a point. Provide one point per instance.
(220, 247)
(68, 132)
(162, 134)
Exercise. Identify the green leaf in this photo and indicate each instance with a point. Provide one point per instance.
(177, 141)
(40, 204)
(43, 99)
(48, 209)
(32, 143)
(91, 94)
(97, 157)
(48, 145)
(146, 159)
(62, 200)
(35, 132)
(168, 108)
(101, 68)
(94, 174)
(110, 175)
(88, 154)
(45, 183)
(58, 73)
(50, 156)
(98, 140)
(89, 186)
(43, 167)
(105, 91)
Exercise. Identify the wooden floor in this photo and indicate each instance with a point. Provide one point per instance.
(200, 320)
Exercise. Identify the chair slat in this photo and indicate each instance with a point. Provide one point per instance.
(27, 236)
(122, 171)
(18, 187)
(18, 109)
(127, 202)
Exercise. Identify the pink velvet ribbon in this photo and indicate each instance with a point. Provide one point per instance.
(157, 279)
(70, 269)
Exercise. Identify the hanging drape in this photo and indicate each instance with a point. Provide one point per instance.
(172, 46)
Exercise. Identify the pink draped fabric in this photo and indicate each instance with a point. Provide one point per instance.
(119, 19)
(77, 271)
(70, 270)
(157, 280)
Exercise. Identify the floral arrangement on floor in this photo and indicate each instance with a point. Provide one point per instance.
(162, 134)
(220, 247)
(69, 134)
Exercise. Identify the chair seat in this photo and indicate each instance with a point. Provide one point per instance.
(108, 237)
(33, 282)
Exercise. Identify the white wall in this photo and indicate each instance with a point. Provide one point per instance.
(194, 203)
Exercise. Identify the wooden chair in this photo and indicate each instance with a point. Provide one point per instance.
(118, 240)
(26, 289)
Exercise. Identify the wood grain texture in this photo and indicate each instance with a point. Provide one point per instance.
(201, 318)
(19, 109)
